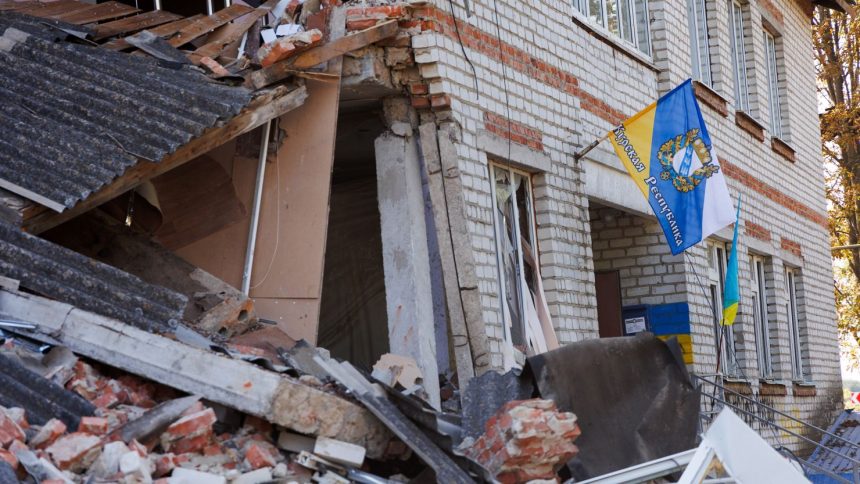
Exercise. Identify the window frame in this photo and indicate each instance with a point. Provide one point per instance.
(718, 253)
(795, 343)
(761, 317)
(706, 77)
(507, 317)
(634, 11)
(772, 77)
(737, 34)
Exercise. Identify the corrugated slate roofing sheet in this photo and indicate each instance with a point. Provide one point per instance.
(75, 117)
(846, 426)
(65, 275)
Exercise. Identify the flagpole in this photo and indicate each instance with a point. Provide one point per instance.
(579, 154)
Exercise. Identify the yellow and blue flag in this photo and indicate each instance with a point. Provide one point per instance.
(668, 152)
(731, 292)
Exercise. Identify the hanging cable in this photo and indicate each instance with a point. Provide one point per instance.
(463, 48)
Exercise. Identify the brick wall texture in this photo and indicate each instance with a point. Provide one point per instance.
(559, 84)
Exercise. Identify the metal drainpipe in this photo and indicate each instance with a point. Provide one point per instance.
(158, 4)
(255, 210)
(210, 8)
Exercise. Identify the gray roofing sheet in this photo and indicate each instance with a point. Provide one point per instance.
(75, 116)
(65, 275)
(831, 456)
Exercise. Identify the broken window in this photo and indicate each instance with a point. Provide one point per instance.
(628, 19)
(760, 314)
(519, 276)
(774, 80)
(700, 41)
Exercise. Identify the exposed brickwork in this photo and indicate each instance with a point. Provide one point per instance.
(791, 246)
(750, 125)
(772, 389)
(711, 99)
(526, 440)
(804, 391)
(516, 132)
(781, 148)
(746, 178)
(757, 231)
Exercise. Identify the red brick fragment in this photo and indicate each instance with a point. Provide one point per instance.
(360, 24)
(191, 433)
(93, 425)
(9, 430)
(19, 416)
(9, 457)
(49, 433)
(75, 452)
(260, 454)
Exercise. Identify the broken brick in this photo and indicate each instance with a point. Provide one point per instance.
(260, 454)
(190, 444)
(9, 430)
(188, 427)
(93, 425)
(286, 47)
(9, 457)
(75, 452)
(19, 416)
(49, 432)
(360, 24)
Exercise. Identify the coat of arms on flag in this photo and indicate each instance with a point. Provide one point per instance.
(668, 152)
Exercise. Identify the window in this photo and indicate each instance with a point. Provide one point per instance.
(717, 262)
(739, 55)
(799, 370)
(760, 315)
(516, 252)
(697, 17)
(773, 80)
(628, 19)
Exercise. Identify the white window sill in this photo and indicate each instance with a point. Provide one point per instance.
(613, 40)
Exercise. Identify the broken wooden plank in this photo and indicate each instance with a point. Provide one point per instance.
(323, 53)
(96, 13)
(165, 30)
(237, 384)
(264, 107)
(46, 9)
(9, 6)
(228, 34)
(130, 25)
(208, 24)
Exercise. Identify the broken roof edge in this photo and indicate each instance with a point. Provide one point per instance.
(266, 105)
(280, 399)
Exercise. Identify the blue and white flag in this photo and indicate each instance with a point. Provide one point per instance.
(668, 152)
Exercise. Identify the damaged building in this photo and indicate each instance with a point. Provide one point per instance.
(190, 187)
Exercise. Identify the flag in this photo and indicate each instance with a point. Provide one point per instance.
(668, 152)
(731, 292)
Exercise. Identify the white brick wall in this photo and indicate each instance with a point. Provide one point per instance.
(544, 29)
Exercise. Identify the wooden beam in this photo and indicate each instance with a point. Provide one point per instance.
(164, 31)
(6, 6)
(265, 107)
(46, 9)
(208, 24)
(130, 25)
(237, 384)
(323, 53)
(97, 12)
(228, 34)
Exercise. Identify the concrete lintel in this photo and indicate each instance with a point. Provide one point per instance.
(522, 156)
(614, 187)
(760, 246)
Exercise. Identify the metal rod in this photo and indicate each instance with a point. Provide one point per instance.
(157, 4)
(814, 443)
(210, 7)
(846, 247)
(776, 411)
(255, 210)
(804, 463)
(579, 154)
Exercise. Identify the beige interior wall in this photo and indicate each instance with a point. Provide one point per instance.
(288, 261)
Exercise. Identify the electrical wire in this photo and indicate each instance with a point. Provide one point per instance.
(504, 78)
(463, 48)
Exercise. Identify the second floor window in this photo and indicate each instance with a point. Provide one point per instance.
(759, 302)
(739, 55)
(775, 99)
(628, 19)
(700, 38)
